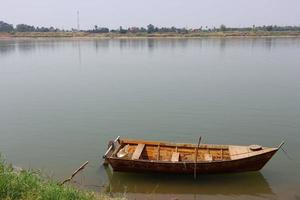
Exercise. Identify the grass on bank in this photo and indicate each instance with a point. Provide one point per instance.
(28, 185)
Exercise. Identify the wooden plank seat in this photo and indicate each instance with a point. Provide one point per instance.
(175, 157)
(138, 151)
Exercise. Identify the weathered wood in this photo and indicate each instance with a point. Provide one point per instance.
(152, 152)
(237, 152)
(221, 154)
(138, 151)
(249, 164)
(158, 157)
(75, 172)
(158, 152)
(170, 144)
(175, 157)
(208, 157)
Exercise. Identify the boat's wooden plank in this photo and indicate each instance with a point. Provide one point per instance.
(208, 157)
(158, 152)
(175, 157)
(237, 152)
(138, 151)
(221, 154)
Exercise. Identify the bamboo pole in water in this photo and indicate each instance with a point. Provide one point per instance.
(196, 155)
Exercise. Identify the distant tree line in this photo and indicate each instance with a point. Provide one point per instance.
(153, 29)
(6, 27)
(261, 28)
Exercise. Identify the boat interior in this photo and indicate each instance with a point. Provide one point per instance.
(157, 151)
(179, 152)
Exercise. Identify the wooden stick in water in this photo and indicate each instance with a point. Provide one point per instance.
(195, 167)
(75, 172)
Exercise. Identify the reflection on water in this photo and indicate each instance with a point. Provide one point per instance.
(7, 47)
(101, 44)
(25, 46)
(253, 184)
(77, 45)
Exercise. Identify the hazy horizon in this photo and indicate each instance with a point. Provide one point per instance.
(189, 14)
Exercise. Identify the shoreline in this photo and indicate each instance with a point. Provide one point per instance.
(200, 35)
(18, 183)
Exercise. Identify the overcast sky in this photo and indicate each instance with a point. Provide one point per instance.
(180, 13)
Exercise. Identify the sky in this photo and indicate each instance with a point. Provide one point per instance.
(127, 13)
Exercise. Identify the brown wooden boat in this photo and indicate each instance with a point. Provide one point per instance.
(165, 157)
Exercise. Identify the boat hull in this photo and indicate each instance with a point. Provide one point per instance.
(253, 163)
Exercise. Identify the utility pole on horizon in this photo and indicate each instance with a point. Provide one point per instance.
(78, 26)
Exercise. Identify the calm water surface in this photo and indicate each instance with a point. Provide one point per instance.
(62, 100)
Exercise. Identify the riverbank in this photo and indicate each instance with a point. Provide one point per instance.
(149, 35)
(22, 184)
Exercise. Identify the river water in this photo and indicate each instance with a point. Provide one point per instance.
(62, 100)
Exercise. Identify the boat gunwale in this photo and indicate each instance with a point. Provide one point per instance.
(185, 145)
(174, 144)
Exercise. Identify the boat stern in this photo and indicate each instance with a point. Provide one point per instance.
(111, 149)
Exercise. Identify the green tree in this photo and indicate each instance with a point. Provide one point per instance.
(122, 31)
(5, 27)
(25, 28)
(150, 28)
(222, 28)
(269, 28)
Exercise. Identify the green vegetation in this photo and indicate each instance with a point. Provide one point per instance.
(24, 30)
(5, 27)
(28, 185)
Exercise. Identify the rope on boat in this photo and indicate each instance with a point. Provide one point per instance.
(296, 164)
(286, 153)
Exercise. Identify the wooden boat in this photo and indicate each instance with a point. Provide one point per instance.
(165, 157)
